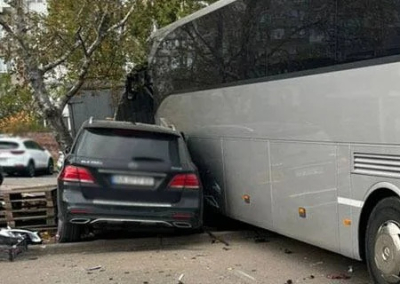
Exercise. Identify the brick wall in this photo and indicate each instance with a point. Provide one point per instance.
(46, 140)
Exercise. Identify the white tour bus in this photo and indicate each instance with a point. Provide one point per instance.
(291, 110)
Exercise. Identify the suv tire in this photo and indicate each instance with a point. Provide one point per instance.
(67, 232)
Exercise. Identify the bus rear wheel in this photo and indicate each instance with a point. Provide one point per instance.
(383, 242)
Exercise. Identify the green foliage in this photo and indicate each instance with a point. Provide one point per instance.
(66, 19)
(13, 98)
(17, 111)
(129, 44)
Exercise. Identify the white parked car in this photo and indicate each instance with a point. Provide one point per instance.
(24, 156)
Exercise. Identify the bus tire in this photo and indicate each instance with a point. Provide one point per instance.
(383, 242)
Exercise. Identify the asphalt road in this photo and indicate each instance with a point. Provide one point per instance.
(240, 254)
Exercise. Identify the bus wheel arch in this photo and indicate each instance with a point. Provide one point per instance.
(382, 241)
(373, 199)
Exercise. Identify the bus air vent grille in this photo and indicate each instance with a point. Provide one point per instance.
(377, 165)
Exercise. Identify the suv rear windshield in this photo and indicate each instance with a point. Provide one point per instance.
(130, 145)
(6, 145)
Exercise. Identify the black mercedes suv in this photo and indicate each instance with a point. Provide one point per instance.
(122, 172)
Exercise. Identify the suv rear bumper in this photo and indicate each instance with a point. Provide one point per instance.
(185, 214)
(13, 169)
(192, 223)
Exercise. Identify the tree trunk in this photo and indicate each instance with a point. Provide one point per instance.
(51, 112)
(62, 135)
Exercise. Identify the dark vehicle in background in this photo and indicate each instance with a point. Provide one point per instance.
(121, 172)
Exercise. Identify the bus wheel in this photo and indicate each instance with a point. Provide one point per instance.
(383, 242)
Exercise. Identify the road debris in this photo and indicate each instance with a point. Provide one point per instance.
(289, 281)
(350, 270)
(340, 276)
(180, 279)
(48, 237)
(240, 272)
(309, 277)
(14, 241)
(226, 248)
(259, 239)
(32, 238)
(287, 251)
(316, 263)
(216, 239)
(94, 268)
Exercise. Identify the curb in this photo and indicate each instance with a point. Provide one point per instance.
(142, 243)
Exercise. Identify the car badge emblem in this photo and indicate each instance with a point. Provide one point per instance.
(133, 165)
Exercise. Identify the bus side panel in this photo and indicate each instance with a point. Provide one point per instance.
(247, 178)
(304, 177)
(346, 231)
(207, 155)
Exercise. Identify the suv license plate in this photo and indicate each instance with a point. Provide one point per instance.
(132, 180)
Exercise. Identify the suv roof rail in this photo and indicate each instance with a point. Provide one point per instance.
(165, 123)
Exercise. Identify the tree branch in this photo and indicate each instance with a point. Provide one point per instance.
(60, 60)
(100, 27)
(101, 34)
(81, 10)
(123, 21)
(82, 42)
(9, 31)
(78, 84)
(68, 53)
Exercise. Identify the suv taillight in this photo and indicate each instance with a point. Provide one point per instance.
(190, 181)
(76, 174)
